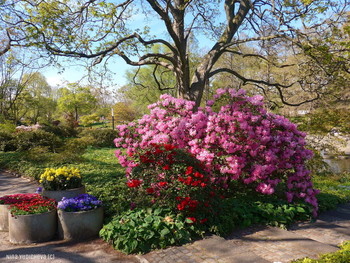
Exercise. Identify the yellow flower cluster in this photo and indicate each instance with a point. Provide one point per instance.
(51, 174)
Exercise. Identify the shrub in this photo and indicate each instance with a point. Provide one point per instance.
(169, 177)
(100, 137)
(7, 142)
(38, 154)
(142, 230)
(88, 120)
(30, 139)
(7, 126)
(76, 145)
(63, 131)
(240, 142)
(243, 212)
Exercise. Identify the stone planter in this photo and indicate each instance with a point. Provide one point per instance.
(69, 193)
(4, 221)
(32, 228)
(79, 225)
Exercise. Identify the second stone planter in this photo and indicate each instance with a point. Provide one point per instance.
(79, 225)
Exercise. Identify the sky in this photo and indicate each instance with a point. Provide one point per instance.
(55, 78)
(74, 74)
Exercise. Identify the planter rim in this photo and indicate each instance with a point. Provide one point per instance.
(62, 211)
(34, 214)
(70, 189)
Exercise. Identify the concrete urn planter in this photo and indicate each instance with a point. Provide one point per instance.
(69, 193)
(79, 225)
(4, 221)
(32, 228)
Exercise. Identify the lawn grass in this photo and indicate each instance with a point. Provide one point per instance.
(335, 189)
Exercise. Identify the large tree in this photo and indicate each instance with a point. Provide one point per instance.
(101, 29)
(13, 69)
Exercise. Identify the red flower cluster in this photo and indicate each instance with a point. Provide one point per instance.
(150, 191)
(134, 183)
(162, 184)
(186, 203)
(17, 198)
(36, 205)
(197, 179)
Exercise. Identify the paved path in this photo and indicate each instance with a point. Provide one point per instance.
(265, 244)
(251, 245)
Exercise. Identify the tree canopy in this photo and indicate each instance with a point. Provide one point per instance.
(99, 30)
(76, 100)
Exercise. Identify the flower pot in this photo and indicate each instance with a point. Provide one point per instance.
(69, 193)
(80, 225)
(4, 221)
(32, 228)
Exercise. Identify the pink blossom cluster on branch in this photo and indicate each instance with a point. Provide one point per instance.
(240, 141)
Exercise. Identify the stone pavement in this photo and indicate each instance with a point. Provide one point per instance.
(254, 245)
(265, 244)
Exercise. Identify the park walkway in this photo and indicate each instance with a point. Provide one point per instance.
(253, 245)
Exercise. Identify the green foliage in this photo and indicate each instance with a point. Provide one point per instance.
(340, 256)
(71, 151)
(38, 154)
(30, 139)
(99, 137)
(62, 130)
(76, 145)
(88, 120)
(76, 100)
(125, 112)
(242, 212)
(141, 230)
(323, 120)
(7, 126)
(335, 189)
(7, 142)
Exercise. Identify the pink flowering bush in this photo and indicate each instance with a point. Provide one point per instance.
(239, 143)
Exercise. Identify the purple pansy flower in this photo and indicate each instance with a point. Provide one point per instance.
(82, 202)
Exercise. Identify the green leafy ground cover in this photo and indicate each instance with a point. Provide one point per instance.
(340, 256)
(105, 179)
